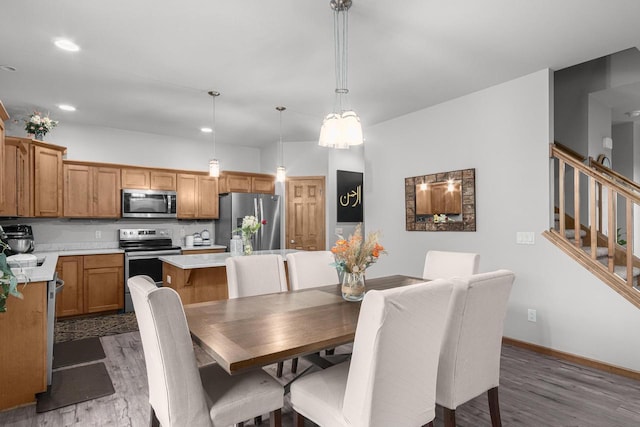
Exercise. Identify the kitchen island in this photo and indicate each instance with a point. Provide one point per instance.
(23, 335)
(202, 277)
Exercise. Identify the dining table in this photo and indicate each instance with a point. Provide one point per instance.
(250, 332)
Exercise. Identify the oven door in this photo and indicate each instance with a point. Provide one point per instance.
(143, 263)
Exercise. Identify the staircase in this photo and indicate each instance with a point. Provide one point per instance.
(592, 245)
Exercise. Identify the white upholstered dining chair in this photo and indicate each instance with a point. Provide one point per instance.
(180, 394)
(256, 275)
(390, 380)
(470, 355)
(308, 269)
(444, 265)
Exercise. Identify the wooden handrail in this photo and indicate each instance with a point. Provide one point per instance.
(603, 169)
(569, 151)
(598, 176)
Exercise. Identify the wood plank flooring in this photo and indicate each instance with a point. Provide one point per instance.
(535, 390)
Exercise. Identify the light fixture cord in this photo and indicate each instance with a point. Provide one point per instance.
(341, 38)
(281, 153)
(214, 126)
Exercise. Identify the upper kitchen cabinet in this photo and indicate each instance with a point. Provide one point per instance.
(148, 179)
(4, 116)
(197, 196)
(16, 178)
(36, 179)
(245, 182)
(91, 190)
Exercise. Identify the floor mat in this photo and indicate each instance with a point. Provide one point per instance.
(76, 352)
(75, 385)
(94, 326)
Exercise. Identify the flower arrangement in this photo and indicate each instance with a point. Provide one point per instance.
(39, 124)
(354, 255)
(250, 226)
(8, 282)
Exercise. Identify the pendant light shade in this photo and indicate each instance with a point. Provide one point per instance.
(341, 128)
(214, 164)
(281, 172)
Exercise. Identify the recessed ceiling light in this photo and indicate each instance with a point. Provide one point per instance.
(7, 68)
(634, 113)
(206, 130)
(67, 107)
(67, 45)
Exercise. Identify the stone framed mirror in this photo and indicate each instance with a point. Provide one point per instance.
(444, 201)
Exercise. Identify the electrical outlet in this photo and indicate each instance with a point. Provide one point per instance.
(98, 234)
(168, 279)
(531, 315)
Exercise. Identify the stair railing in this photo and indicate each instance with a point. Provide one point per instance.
(600, 179)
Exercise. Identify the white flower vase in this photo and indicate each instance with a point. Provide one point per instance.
(353, 288)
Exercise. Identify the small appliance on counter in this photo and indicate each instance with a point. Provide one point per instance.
(19, 237)
(197, 239)
(206, 237)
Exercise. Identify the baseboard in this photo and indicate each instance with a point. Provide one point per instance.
(579, 360)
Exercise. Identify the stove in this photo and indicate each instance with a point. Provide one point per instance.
(142, 249)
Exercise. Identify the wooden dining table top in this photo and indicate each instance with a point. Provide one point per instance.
(245, 333)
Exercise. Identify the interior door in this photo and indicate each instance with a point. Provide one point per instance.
(305, 213)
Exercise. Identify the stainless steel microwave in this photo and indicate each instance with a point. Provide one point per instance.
(148, 203)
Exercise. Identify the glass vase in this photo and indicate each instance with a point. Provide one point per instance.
(246, 244)
(353, 288)
(39, 136)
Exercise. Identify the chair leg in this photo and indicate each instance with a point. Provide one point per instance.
(494, 407)
(330, 351)
(275, 420)
(294, 365)
(153, 420)
(298, 420)
(279, 370)
(257, 420)
(449, 416)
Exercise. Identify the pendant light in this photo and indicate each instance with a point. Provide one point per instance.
(214, 164)
(341, 128)
(281, 172)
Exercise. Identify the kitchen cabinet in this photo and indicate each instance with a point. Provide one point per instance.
(38, 178)
(91, 191)
(92, 284)
(70, 300)
(246, 182)
(15, 180)
(197, 196)
(4, 116)
(148, 179)
(23, 352)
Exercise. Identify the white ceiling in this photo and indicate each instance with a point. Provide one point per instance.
(146, 65)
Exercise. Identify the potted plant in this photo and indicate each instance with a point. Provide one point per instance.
(8, 280)
(39, 125)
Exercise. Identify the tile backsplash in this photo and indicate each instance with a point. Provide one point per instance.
(57, 234)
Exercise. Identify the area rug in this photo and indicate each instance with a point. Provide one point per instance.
(75, 352)
(75, 385)
(96, 326)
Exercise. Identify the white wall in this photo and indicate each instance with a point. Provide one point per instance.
(503, 132)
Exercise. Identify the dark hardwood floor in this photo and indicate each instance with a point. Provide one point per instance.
(535, 390)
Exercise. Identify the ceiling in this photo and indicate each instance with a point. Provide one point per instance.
(147, 65)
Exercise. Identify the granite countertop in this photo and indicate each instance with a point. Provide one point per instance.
(43, 273)
(189, 262)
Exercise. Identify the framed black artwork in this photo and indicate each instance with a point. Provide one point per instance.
(349, 196)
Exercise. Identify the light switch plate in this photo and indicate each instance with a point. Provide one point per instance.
(525, 238)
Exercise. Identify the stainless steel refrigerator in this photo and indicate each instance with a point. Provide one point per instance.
(235, 206)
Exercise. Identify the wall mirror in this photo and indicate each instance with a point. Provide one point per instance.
(444, 201)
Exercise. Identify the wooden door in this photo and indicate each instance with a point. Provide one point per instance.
(106, 192)
(187, 195)
(78, 191)
(207, 197)
(70, 300)
(23, 180)
(263, 184)
(305, 214)
(103, 282)
(48, 182)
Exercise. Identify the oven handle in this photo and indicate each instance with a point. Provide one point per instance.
(148, 255)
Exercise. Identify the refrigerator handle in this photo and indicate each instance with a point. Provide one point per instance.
(255, 207)
(261, 228)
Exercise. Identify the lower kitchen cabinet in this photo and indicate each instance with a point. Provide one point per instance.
(92, 284)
